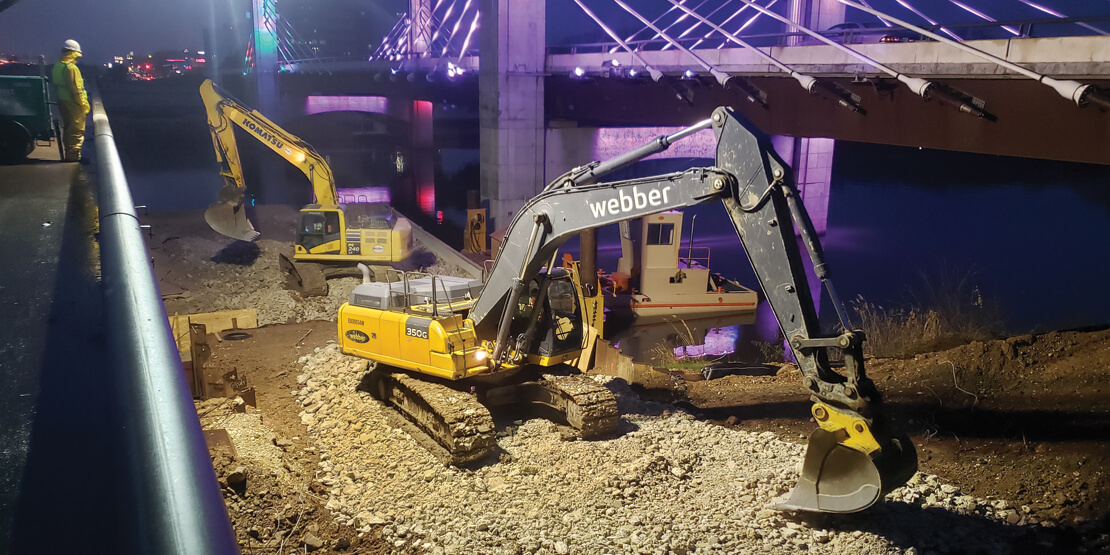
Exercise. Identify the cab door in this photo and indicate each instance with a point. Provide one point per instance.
(318, 228)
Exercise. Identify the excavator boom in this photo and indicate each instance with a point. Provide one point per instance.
(227, 216)
(853, 459)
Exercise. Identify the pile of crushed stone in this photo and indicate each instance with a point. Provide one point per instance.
(197, 274)
(666, 483)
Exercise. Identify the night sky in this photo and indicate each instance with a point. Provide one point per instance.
(114, 27)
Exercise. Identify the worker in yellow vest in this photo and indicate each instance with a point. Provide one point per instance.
(73, 101)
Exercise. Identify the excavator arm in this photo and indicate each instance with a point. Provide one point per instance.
(853, 458)
(227, 215)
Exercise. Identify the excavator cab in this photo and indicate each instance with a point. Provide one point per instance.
(319, 231)
(559, 327)
(546, 326)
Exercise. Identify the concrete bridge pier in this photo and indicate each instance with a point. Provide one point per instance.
(511, 109)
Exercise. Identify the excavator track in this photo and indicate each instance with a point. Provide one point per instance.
(457, 427)
(588, 407)
(455, 421)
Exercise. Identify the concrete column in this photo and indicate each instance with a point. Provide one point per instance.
(798, 12)
(420, 34)
(811, 159)
(511, 105)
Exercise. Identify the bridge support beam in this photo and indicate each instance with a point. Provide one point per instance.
(511, 110)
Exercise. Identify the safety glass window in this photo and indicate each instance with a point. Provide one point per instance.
(313, 223)
(660, 234)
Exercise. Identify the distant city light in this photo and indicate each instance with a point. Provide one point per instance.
(632, 72)
(579, 72)
(689, 74)
(616, 62)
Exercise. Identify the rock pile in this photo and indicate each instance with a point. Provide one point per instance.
(206, 275)
(666, 483)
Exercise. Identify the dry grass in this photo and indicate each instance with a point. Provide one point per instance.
(663, 356)
(944, 312)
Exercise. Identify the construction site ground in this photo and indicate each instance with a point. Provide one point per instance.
(1011, 435)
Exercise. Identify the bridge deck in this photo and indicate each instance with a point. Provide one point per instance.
(55, 458)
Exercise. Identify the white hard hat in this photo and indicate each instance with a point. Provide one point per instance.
(72, 45)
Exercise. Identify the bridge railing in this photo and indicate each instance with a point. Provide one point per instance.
(172, 502)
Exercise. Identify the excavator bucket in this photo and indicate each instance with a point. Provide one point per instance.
(837, 478)
(228, 216)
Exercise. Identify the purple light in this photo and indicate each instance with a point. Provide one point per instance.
(1042, 8)
(473, 26)
(718, 342)
(696, 23)
(689, 74)
(986, 17)
(610, 142)
(1060, 15)
(579, 72)
(632, 72)
(616, 62)
(362, 195)
(455, 29)
(321, 104)
(927, 18)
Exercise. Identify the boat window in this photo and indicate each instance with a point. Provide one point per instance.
(660, 234)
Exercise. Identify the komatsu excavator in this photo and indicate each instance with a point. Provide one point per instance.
(442, 355)
(329, 235)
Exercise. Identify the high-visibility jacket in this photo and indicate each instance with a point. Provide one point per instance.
(68, 82)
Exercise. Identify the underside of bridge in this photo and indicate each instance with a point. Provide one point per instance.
(1032, 120)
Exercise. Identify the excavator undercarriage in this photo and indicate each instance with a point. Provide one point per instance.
(529, 317)
(458, 422)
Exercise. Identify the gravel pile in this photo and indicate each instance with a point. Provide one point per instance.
(667, 483)
(255, 442)
(205, 275)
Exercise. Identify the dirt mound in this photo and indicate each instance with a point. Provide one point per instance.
(1024, 419)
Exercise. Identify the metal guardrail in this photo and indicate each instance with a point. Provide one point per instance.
(173, 500)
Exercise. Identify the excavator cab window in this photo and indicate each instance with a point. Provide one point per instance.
(560, 330)
(318, 228)
(660, 234)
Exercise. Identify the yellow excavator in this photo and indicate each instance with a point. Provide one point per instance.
(445, 349)
(330, 237)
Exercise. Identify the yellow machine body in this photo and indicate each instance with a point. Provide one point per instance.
(327, 232)
(446, 347)
(441, 342)
(326, 235)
